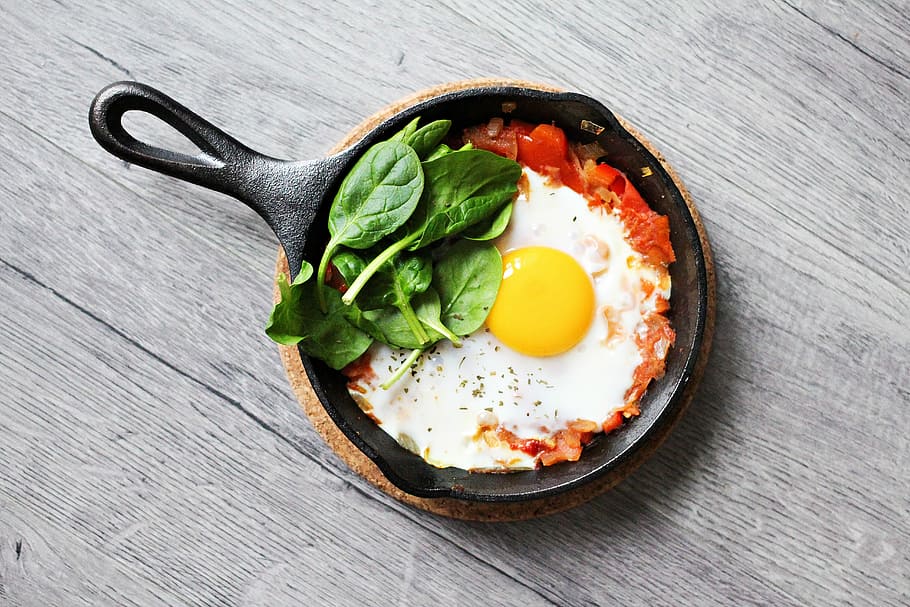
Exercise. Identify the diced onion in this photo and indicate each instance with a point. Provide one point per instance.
(589, 151)
(494, 127)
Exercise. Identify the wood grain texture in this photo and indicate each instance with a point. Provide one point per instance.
(151, 451)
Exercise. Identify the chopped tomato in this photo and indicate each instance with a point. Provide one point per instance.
(570, 173)
(502, 142)
(601, 175)
(359, 370)
(647, 287)
(567, 448)
(334, 279)
(521, 127)
(595, 201)
(544, 147)
(653, 345)
(546, 150)
(649, 233)
(496, 137)
(531, 446)
(603, 182)
(632, 200)
(613, 422)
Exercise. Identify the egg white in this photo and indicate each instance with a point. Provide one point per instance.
(440, 408)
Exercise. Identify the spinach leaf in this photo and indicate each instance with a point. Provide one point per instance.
(440, 150)
(408, 130)
(296, 319)
(405, 275)
(410, 274)
(390, 326)
(375, 199)
(425, 139)
(284, 326)
(492, 226)
(461, 188)
(395, 283)
(348, 264)
(306, 270)
(429, 311)
(467, 278)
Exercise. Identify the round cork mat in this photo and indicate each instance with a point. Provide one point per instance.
(482, 511)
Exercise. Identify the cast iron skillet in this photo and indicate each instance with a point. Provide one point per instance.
(294, 199)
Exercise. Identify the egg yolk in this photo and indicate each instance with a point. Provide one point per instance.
(545, 303)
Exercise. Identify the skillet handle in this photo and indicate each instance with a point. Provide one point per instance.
(285, 194)
(218, 165)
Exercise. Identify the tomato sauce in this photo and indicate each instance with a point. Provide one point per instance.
(360, 370)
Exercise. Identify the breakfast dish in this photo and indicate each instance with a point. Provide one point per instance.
(478, 353)
(328, 333)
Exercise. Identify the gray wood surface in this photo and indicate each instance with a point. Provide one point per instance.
(151, 451)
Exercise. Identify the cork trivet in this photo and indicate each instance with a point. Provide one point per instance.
(481, 511)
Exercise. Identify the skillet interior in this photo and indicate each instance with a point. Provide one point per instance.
(688, 304)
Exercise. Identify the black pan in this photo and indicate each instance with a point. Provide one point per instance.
(294, 199)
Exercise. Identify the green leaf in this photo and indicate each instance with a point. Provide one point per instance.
(410, 274)
(408, 130)
(349, 264)
(492, 226)
(306, 270)
(377, 196)
(440, 150)
(425, 139)
(390, 326)
(467, 278)
(375, 199)
(461, 189)
(429, 310)
(396, 281)
(296, 319)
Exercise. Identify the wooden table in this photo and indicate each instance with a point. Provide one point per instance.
(151, 451)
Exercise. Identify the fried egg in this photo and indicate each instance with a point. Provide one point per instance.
(558, 345)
